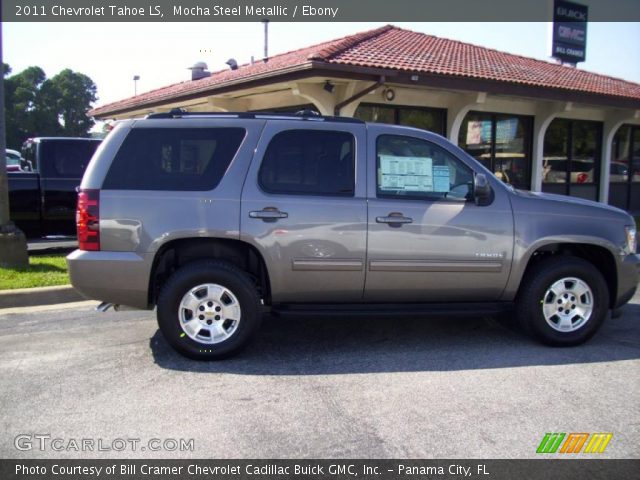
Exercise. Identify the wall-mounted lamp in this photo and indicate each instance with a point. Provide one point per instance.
(388, 94)
(328, 86)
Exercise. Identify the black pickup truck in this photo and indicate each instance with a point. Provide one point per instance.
(42, 195)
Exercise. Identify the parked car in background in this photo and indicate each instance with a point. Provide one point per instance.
(554, 170)
(42, 192)
(619, 172)
(13, 160)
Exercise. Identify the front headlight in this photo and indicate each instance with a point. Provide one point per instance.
(630, 247)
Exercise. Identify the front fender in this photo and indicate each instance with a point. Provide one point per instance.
(524, 252)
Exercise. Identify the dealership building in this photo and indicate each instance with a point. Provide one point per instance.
(538, 125)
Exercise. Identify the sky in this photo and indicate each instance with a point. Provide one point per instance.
(160, 53)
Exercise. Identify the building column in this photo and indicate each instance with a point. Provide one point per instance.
(316, 94)
(458, 110)
(543, 117)
(612, 123)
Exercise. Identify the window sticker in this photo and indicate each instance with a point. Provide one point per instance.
(441, 178)
(410, 174)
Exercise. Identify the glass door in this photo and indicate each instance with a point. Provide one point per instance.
(502, 143)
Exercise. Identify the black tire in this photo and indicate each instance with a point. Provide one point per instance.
(208, 272)
(531, 300)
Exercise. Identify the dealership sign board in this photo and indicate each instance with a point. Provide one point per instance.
(569, 31)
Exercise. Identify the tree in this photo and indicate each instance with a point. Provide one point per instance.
(21, 92)
(74, 92)
(37, 106)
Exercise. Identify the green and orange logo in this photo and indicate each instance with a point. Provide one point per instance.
(573, 443)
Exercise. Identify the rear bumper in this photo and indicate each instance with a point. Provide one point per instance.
(628, 274)
(121, 278)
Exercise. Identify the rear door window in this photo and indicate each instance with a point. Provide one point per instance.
(179, 159)
(309, 162)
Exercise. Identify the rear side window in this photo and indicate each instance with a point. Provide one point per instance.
(309, 162)
(181, 159)
(68, 158)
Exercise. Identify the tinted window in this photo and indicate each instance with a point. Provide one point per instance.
(173, 159)
(309, 162)
(502, 143)
(431, 119)
(413, 168)
(67, 158)
(13, 158)
(29, 153)
(571, 157)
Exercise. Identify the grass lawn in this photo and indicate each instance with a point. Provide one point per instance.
(43, 271)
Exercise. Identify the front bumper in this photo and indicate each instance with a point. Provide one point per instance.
(628, 274)
(120, 278)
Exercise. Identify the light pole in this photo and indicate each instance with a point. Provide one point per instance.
(135, 84)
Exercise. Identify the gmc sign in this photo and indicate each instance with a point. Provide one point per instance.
(569, 31)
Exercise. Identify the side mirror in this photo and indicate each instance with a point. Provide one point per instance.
(481, 189)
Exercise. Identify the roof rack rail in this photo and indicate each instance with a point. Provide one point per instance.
(305, 114)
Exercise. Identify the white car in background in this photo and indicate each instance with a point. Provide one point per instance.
(13, 160)
(555, 170)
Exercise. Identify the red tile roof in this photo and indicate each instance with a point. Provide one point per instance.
(393, 48)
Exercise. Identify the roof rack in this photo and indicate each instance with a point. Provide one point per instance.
(306, 114)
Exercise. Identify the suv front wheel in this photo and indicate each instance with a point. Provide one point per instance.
(208, 310)
(563, 301)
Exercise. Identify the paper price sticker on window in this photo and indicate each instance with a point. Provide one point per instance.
(411, 174)
(441, 178)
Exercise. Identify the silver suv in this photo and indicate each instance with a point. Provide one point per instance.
(213, 218)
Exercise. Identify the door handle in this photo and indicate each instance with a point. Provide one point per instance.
(394, 218)
(268, 214)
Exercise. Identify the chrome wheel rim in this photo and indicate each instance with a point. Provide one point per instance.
(567, 305)
(209, 313)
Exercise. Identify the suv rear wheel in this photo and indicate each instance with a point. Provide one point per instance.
(208, 310)
(563, 301)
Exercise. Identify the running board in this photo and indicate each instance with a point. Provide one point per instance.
(391, 309)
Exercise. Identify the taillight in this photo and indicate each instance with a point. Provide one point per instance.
(88, 219)
(582, 178)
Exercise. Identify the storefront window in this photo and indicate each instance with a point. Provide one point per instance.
(376, 114)
(635, 156)
(502, 143)
(571, 158)
(556, 153)
(476, 137)
(585, 152)
(624, 172)
(288, 109)
(430, 119)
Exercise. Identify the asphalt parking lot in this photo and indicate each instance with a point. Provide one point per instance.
(325, 388)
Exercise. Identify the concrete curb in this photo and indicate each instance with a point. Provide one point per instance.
(28, 297)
